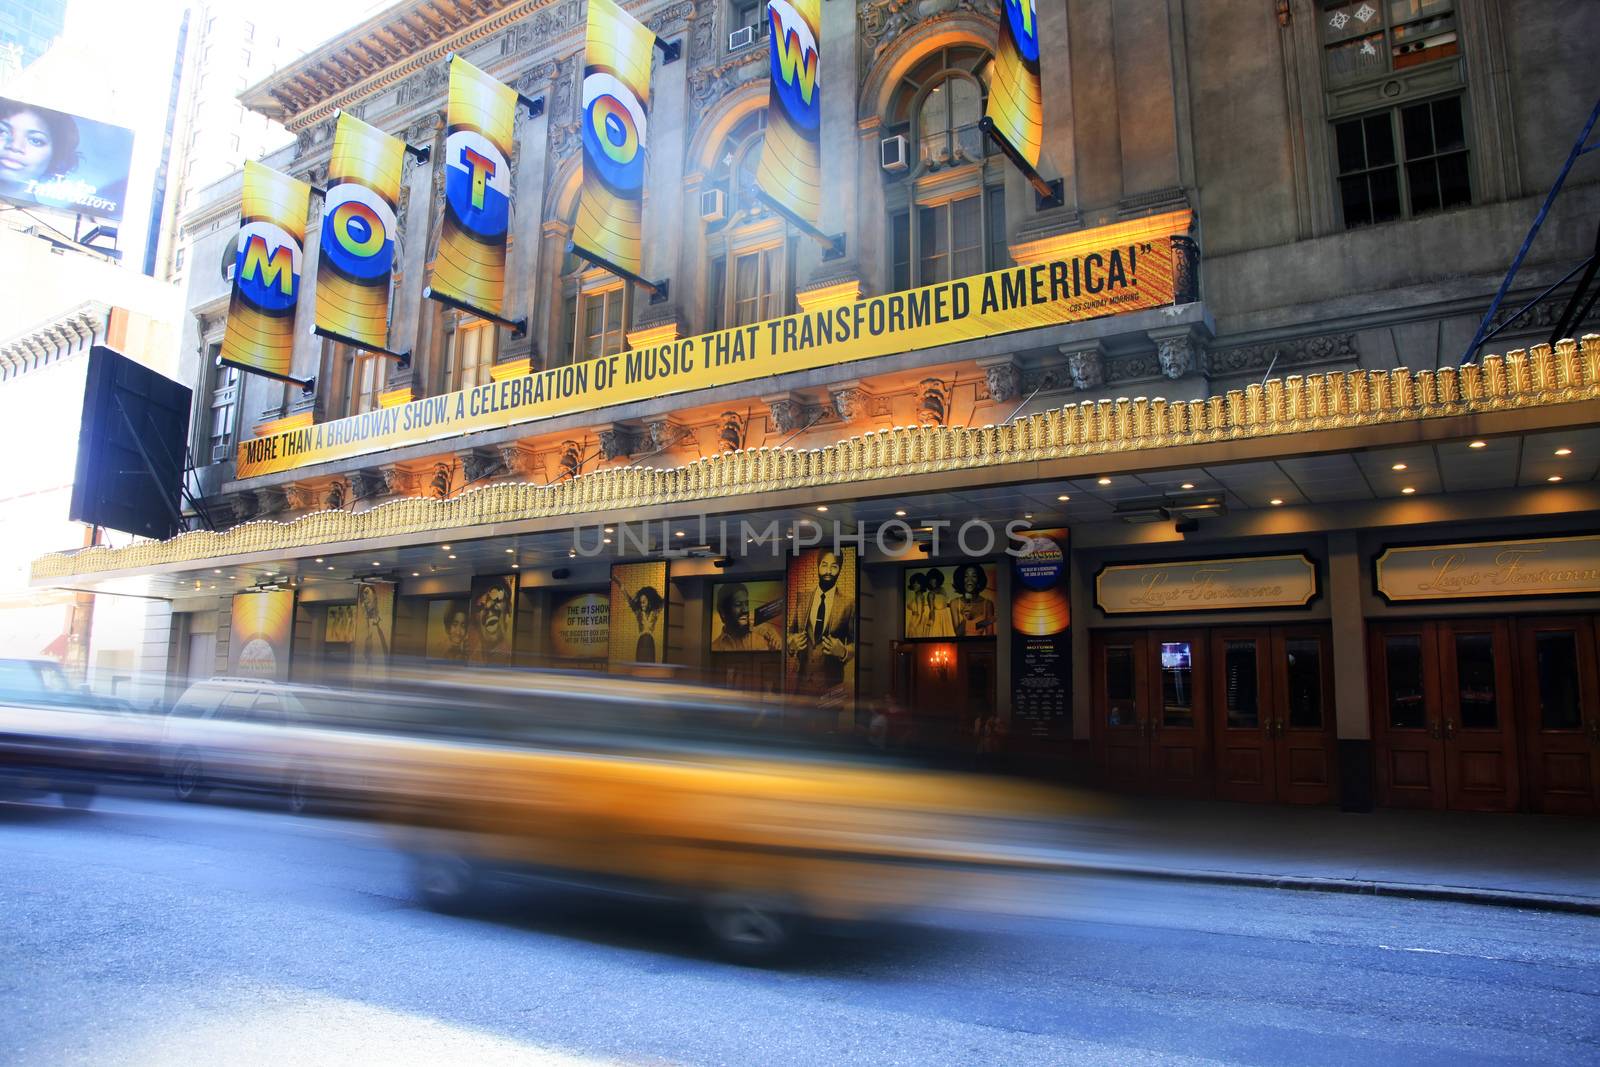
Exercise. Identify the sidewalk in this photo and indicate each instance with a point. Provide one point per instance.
(1538, 861)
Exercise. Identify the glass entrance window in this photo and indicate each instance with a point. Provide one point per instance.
(1177, 684)
(1556, 656)
(1122, 708)
(1403, 672)
(1303, 668)
(1240, 677)
(1475, 686)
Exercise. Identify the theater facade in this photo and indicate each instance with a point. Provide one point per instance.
(1180, 474)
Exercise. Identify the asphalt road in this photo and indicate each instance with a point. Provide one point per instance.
(147, 933)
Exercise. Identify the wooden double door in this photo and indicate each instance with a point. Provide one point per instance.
(1236, 713)
(1487, 714)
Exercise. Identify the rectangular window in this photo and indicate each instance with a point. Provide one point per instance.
(750, 13)
(1429, 171)
(368, 373)
(473, 355)
(900, 250)
(950, 240)
(755, 276)
(717, 295)
(1372, 38)
(569, 329)
(601, 324)
(224, 406)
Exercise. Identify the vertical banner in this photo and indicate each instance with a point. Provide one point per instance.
(1016, 98)
(374, 631)
(471, 265)
(638, 612)
(262, 629)
(259, 335)
(820, 645)
(491, 629)
(790, 169)
(1041, 638)
(358, 234)
(616, 104)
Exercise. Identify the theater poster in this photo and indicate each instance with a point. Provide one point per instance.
(448, 627)
(946, 603)
(261, 633)
(638, 615)
(1041, 638)
(617, 54)
(820, 632)
(580, 628)
(374, 631)
(491, 626)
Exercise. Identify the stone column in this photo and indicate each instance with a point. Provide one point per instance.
(526, 246)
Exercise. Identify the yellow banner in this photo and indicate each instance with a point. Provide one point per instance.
(616, 106)
(358, 234)
(1097, 280)
(790, 168)
(1016, 98)
(266, 273)
(471, 265)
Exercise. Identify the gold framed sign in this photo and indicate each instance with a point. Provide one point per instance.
(1245, 583)
(1478, 570)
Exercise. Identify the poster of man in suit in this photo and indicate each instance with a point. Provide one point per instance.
(369, 655)
(820, 642)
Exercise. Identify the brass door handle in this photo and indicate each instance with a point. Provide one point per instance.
(1433, 729)
(1449, 729)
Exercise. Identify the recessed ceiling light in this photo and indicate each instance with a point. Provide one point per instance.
(330, 568)
(1553, 478)
(611, 529)
(1398, 467)
(416, 574)
(319, 559)
(1063, 498)
(445, 547)
(217, 571)
(511, 551)
(1027, 515)
(1563, 451)
(572, 553)
(516, 566)
(607, 540)
(1478, 444)
(1276, 502)
(677, 533)
(452, 555)
(377, 563)
(1105, 481)
(900, 513)
(822, 507)
(1408, 490)
(1186, 485)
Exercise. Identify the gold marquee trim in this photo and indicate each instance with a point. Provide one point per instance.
(1296, 404)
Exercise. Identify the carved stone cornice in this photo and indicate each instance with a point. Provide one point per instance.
(619, 440)
(1280, 413)
(372, 483)
(1003, 376)
(787, 411)
(851, 400)
(1281, 355)
(1086, 364)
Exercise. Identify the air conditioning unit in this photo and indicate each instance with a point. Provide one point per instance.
(743, 37)
(219, 453)
(713, 205)
(894, 153)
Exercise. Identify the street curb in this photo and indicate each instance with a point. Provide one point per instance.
(1500, 898)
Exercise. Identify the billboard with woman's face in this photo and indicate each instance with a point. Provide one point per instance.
(60, 162)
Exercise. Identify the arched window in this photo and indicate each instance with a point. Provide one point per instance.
(750, 258)
(947, 215)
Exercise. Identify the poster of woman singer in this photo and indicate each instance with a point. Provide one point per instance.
(638, 617)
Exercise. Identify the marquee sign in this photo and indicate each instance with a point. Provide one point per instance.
(1546, 566)
(1097, 280)
(1244, 584)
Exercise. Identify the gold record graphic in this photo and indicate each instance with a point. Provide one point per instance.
(261, 625)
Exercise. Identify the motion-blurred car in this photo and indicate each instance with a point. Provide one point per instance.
(674, 790)
(55, 737)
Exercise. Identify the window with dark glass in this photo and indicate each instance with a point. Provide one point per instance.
(1303, 664)
(1475, 688)
(1387, 173)
(224, 413)
(472, 354)
(1403, 667)
(1240, 678)
(1177, 684)
(1556, 664)
(1121, 707)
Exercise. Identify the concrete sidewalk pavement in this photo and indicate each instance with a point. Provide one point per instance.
(1516, 860)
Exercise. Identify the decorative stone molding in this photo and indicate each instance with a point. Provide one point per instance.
(519, 459)
(1281, 355)
(933, 402)
(439, 484)
(477, 464)
(271, 500)
(730, 432)
(372, 483)
(664, 433)
(1086, 364)
(787, 411)
(618, 441)
(1003, 376)
(569, 462)
(1179, 349)
(850, 400)
(1281, 407)
(338, 492)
